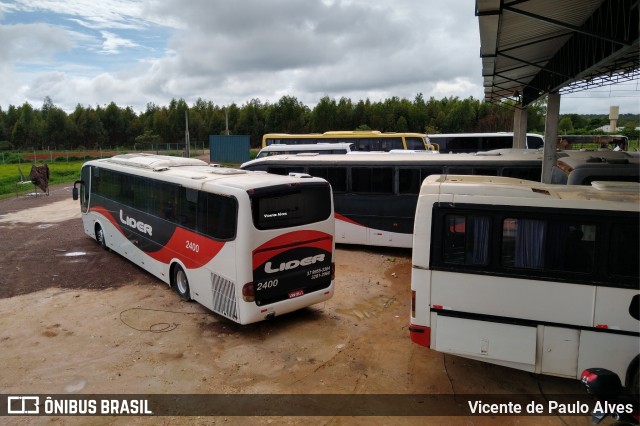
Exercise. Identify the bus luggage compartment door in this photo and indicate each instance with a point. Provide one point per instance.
(503, 344)
(282, 272)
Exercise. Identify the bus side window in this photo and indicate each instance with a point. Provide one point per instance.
(125, 183)
(387, 144)
(372, 180)
(571, 246)
(409, 181)
(486, 171)
(466, 240)
(337, 177)
(425, 173)
(187, 207)
(284, 171)
(460, 170)
(523, 243)
(96, 181)
(527, 173)
(534, 142)
(624, 250)
(218, 216)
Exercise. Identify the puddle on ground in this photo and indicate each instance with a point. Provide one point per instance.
(75, 254)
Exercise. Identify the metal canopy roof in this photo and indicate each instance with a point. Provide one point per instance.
(530, 48)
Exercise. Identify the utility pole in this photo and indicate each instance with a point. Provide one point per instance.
(187, 153)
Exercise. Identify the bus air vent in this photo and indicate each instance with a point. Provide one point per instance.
(224, 297)
(226, 171)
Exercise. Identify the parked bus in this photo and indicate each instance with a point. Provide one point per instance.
(369, 140)
(375, 194)
(475, 142)
(594, 142)
(248, 246)
(583, 167)
(535, 277)
(317, 148)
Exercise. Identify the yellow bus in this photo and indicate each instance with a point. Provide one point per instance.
(369, 140)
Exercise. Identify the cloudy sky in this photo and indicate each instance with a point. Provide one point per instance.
(134, 52)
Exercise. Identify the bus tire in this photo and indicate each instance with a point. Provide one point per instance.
(181, 283)
(100, 238)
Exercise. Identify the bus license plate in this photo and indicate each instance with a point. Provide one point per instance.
(296, 293)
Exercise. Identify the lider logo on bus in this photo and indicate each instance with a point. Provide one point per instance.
(292, 264)
(136, 224)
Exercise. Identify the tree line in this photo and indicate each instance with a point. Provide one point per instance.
(49, 127)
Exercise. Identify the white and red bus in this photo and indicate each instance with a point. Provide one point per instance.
(541, 278)
(246, 245)
(375, 195)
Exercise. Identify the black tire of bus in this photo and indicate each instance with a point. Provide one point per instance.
(100, 238)
(181, 283)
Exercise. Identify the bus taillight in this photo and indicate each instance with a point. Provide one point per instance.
(247, 293)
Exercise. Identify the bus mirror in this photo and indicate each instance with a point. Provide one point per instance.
(74, 191)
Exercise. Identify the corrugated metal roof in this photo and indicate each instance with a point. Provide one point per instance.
(533, 47)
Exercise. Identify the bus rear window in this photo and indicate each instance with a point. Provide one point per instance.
(287, 206)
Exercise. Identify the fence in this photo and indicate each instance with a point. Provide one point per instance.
(34, 156)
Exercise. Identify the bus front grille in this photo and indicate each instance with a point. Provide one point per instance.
(224, 297)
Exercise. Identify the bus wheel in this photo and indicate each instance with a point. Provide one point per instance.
(100, 237)
(181, 283)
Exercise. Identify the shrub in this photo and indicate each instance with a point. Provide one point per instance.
(13, 158)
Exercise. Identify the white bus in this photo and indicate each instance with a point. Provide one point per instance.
(362, 140)
(584, 167)
(375, 194)
(317, 148)
(246, 245)
(475, 142)
(541, 278)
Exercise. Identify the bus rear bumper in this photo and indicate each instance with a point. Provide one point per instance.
(420, 334)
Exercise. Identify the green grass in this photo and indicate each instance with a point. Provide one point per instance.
(60, 172)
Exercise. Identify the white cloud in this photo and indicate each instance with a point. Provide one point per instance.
(141, 51)
(35, 43)
(113, 43)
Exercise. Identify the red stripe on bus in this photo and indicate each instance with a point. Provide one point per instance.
(346, 219)
(107, 214)
(297, 239)
(194, 250)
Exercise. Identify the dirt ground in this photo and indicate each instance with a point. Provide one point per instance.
(77, 319)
